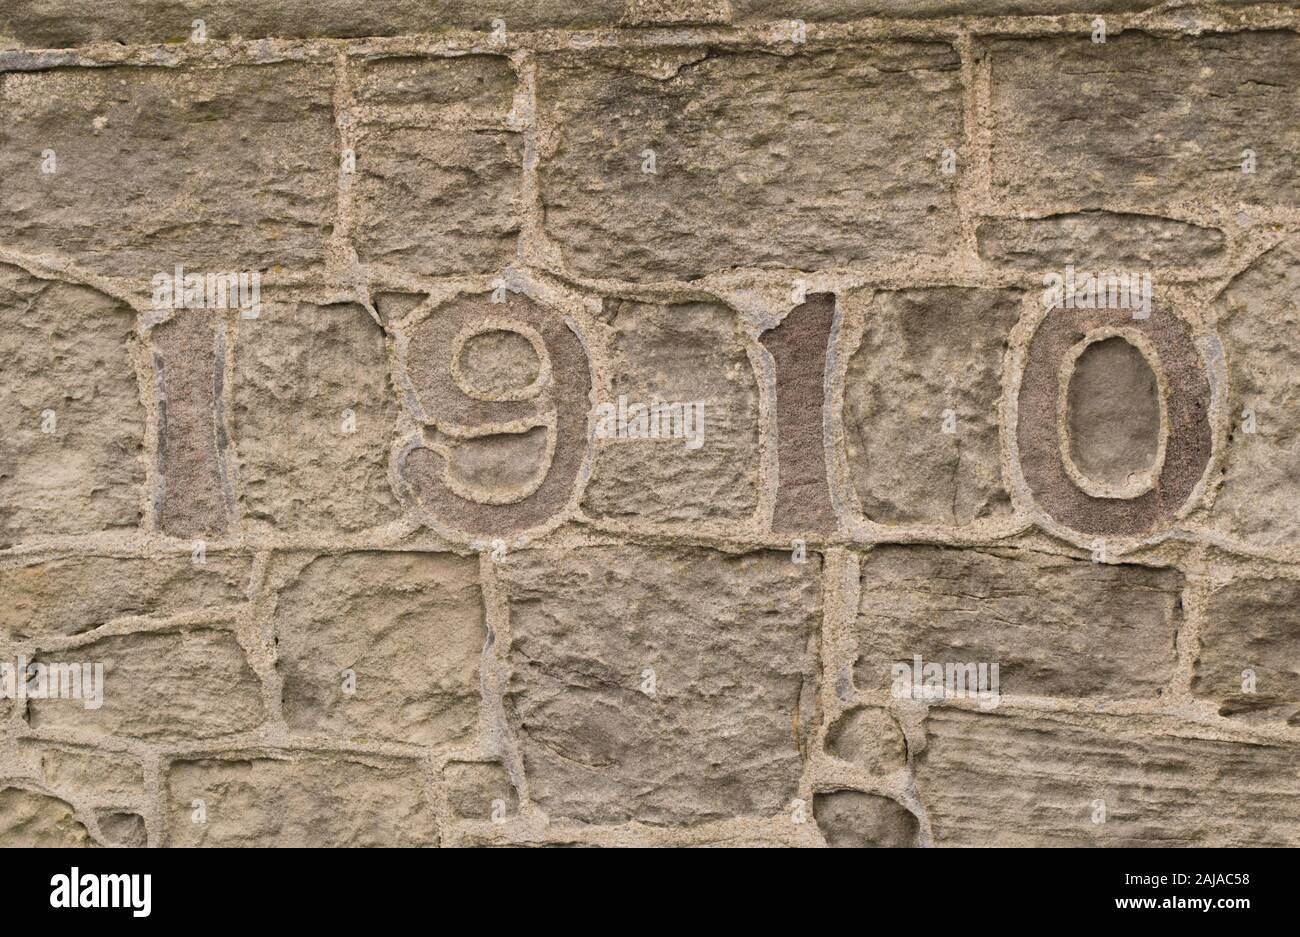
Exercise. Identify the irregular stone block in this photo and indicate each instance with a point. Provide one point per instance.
(403, 631)
(869, 737)
(692, 355)
(853, 820)
(300, 801)
(1249, 660)
(190, 361)
(188, 684)
(313, 419)
(1259, 325)
(799, 347)
(216, 169)
(1097, 241)
(122, 828)
(921, 404)
(101, 777)
(808, 160)
(1067, 109)
(68, 595)
(31, 820)
(1056, 626)
(1113, 413)
(438, 175)
(822, 10)
(71, 454)
(62, 23)
(1056, 780)
(666, 686)
(480, 790)
(675, 12)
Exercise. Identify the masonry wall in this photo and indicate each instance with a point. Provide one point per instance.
(379, 556)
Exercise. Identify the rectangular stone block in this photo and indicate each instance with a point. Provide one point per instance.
(1055, 626)
(808, 160)
(1055, 780)
(101, 777)
(705, 466)
(1097, 241)
(170, 685)
(299, 800)
(313, 418)
(1079, 125)
(216, 169)
(664, 686)
(921, 399)
(1249, 661)
(439, 171)
(408, 627)
(72, 449)
(71, 594)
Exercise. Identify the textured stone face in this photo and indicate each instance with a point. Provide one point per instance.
(1066, 109)
(438, 174)
(723, 733)
(920, 406)
(479, 790)
(68, 595)
(1097, 240)
(852, 820)
(688, 355)
(313, 419)
(214, 169)
(1113, 406)
(382, 646)
(1055, 626)
(870, 738)
(71, 454)
(301, 802)
(1156, 786)
(1250, 650)
(810, 160)
(186, 684)
(32, 820)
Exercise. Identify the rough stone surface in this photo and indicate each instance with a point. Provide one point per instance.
(1055, 626)
(1249, 662)
(67, 353)
(299, 801)
(480, 790)
(300, 370)
(71, 594)
(408, 626)
(724, 732)
(690, 354)
(29, 820)
(869, 737)
(853, 820)
(1002, 779)
(1097, 241)
(926, 352)
(810, 160)
(213, 169)
(1113, 406)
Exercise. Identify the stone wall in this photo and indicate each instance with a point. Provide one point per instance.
(331, 333)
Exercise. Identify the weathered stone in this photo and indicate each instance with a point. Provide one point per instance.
(123, 828)
(1057, 780)
(868, 736)
(1113, 413)
(1097, 241)
(675, 12)
(60, 23)
(480, 790)
(193, 683)
(690, 354)
(100, 776)
(190, 360)
(313, 419)
(806, 160)
(1055, 626)
(799, 347)
(1259, 325)
(822, 10)
(300, 801)
(438, 175)
(32, 820)
(407, 627)
(213, 169)
(1068, 109)
(69, 595)
(921, 404)
(71, 454)
(1249, 660)
(853, 820)
(666, 686)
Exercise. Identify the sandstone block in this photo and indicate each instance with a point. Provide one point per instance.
(31, 820)
(853, 820)
(1097, 241)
